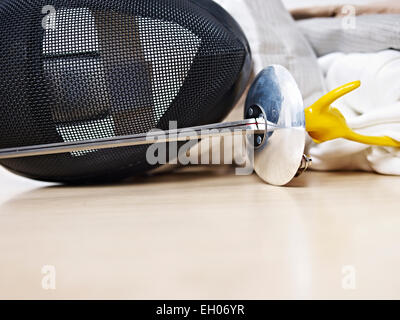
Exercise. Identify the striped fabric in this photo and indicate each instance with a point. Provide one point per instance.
(276, 39)
(371, 33)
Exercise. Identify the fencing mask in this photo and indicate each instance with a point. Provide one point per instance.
(92, 69)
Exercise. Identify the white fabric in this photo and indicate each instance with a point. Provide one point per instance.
(374, 109)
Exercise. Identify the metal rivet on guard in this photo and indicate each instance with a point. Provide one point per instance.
(251, 112)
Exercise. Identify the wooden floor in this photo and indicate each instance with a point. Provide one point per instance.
(203, 233)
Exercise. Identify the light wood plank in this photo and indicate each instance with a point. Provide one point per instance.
(202, 233)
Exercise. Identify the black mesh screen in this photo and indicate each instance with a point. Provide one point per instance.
(86, 69)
